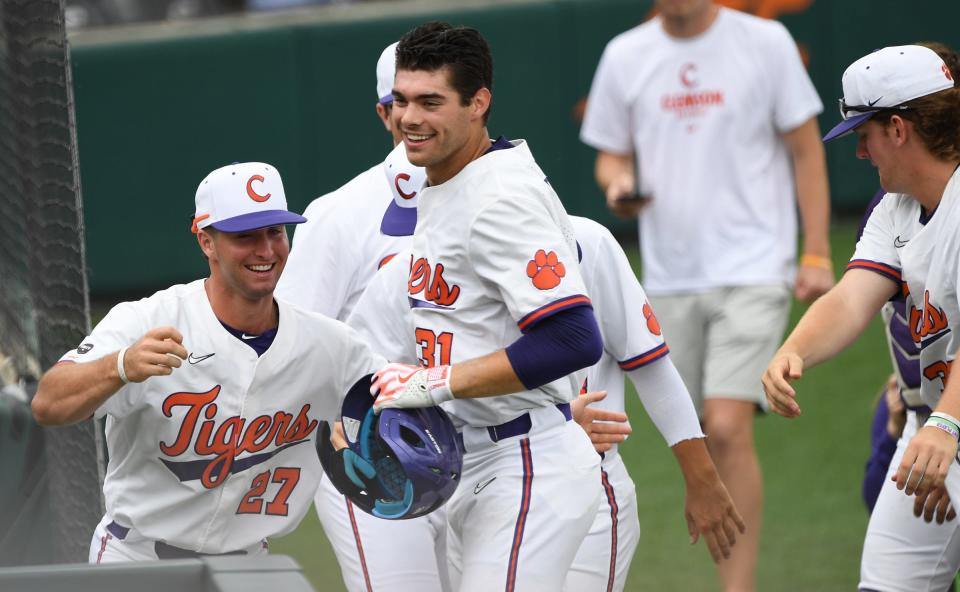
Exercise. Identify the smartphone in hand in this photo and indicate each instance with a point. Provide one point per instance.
(634, 197)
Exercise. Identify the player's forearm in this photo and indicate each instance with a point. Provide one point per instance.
(695, 462)
(612, 167)
(69, 393)
(667, 401)
(813, 192)
(486, 376)
(838, 317)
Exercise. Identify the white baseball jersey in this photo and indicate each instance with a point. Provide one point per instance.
(631, 334)
(920, 253)
(221, 453)
(631, 339)
(493, 253)
(344, 242)
(350, 233)
(382, 314)
(715, 104)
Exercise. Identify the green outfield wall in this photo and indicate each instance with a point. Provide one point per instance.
(159, 107)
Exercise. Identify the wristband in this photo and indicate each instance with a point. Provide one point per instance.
(949, 418)
(438, 384)
(945, 425)
(817, 261)
(121, 372)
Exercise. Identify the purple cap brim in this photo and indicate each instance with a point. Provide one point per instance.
(847, 125)
(386, 100)
(398, 221)
(256, 220)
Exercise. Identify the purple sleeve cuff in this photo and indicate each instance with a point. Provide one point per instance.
(557, 345)
(547, 310)
(645, 358)
(887, 271)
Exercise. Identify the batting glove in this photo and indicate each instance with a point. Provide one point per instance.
(402, 385)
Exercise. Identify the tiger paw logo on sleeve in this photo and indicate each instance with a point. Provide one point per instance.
(653, 325)
(546, 270)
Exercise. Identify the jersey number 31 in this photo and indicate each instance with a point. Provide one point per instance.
(429, 343)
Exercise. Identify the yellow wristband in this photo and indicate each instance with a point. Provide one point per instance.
(817, 261)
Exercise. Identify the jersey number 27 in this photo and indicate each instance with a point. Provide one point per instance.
(252, 502)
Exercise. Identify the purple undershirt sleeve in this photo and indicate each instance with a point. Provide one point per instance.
(556, 346)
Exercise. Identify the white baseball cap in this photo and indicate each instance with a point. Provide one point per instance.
(884, 80)
(386, 68)
(241, 197)
(406, 181)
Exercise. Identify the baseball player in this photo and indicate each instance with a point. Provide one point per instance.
(896, 100)
(632, 345)
(212, 390)
(894, 520)
(350, 233)
(493, 270)
(477, 279)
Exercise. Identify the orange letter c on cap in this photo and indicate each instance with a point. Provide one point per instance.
(396, 183)
(252, 193)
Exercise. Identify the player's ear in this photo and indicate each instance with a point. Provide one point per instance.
(481, 102)
(205, 240)
(383, 112)
(898, 129)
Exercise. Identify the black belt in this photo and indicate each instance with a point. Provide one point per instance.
(163, 550)
(517, 426)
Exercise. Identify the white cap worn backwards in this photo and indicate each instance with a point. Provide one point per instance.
(386, 68)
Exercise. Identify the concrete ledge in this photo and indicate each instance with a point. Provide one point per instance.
(212, 574)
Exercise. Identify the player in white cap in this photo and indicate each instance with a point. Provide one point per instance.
(903, 105)
(350, 233)
(212, 390)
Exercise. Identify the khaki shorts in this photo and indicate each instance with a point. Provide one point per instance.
(721, 340)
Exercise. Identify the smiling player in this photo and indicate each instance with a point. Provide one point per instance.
(212, 390)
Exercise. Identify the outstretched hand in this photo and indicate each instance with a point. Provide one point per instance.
(784, 368)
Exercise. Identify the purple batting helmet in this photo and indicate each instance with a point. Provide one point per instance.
(415, 452)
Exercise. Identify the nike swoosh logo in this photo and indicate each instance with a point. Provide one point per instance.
(872, 103)
(897, 243)
(245, 336)
(482, 484)
(197, 359)
(404, 379)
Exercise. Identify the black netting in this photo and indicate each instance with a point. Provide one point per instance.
(50, 487)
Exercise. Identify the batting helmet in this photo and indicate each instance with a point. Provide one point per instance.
(414, 452)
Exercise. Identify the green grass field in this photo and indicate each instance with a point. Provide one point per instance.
(814, 519)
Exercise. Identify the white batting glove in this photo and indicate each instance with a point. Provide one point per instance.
(402, 385)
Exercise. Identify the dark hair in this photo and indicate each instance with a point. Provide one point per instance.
(936, 117)
(436, 45)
